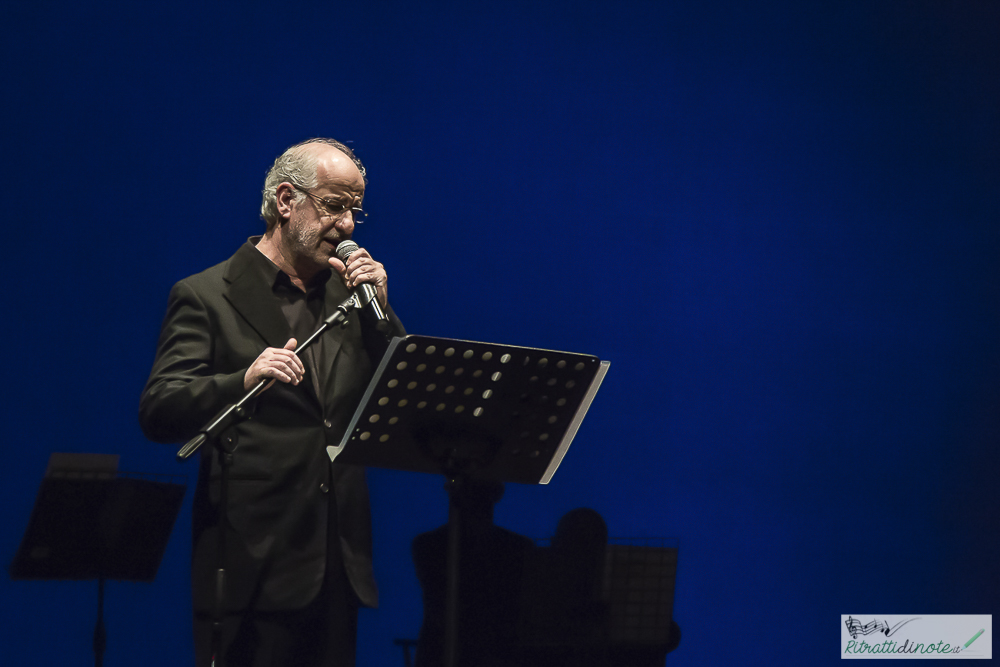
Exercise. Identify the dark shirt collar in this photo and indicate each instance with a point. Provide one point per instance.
(275, 277)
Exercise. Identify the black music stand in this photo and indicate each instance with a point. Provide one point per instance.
(463, 408)
(92, 522)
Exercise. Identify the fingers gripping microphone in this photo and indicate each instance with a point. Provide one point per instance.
(365, 293)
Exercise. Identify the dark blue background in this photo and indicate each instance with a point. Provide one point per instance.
(777, 220)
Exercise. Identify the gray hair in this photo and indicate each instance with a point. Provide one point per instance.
(298, 167)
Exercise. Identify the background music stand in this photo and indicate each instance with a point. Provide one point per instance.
(463, 408)
(625, 618)
(92, 522)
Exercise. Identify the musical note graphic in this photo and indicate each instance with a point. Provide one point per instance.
(854, 627)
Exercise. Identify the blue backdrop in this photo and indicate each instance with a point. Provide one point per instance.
(778, 221)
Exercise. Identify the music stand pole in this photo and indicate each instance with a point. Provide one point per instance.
(100, 635)
(452, 564)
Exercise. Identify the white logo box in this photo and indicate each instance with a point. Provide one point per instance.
(921, 636)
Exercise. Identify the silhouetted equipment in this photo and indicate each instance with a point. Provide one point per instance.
(580, 602)
(92, 522)
(407, 645)
(491, 561)
(623, 620)
(464, 409)
(588, 603)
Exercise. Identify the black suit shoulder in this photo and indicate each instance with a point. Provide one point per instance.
(185, 386)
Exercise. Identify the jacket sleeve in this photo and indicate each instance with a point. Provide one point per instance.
(183, 391)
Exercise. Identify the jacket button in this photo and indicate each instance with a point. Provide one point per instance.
(324, 487)
(327, 423)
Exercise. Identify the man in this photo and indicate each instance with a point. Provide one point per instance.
(298, 542)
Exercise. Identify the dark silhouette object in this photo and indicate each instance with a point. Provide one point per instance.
(92, 522)
(580, 594)
(563, 613)
(580, 602)
(408, 646)
(578, 550)
(491, 564)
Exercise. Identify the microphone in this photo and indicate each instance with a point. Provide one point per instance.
(365, 293)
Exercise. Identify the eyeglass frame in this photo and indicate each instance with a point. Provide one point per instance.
(357, 213)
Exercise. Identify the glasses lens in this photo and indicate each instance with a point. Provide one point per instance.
(359, 215)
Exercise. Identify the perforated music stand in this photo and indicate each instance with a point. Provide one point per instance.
(499, 411)
(92, 522)
(460, 408)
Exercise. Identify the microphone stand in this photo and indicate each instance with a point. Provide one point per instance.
(220, 431)
(234, 413)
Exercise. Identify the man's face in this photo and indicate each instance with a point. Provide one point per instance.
(312, 231)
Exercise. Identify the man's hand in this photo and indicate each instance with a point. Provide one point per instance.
(361, 268)
(275, 363)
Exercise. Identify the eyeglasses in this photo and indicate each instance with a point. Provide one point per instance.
(335, 208)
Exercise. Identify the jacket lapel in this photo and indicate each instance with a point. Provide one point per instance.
(247, 289)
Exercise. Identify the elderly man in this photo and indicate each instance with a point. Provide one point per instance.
(298, 540)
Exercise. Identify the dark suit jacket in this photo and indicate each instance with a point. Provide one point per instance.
(282, 481)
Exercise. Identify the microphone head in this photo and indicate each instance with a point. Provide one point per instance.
(345, 248)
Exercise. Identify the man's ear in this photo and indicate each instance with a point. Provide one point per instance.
(284, 194)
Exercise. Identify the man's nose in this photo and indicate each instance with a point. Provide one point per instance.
(345, 224)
